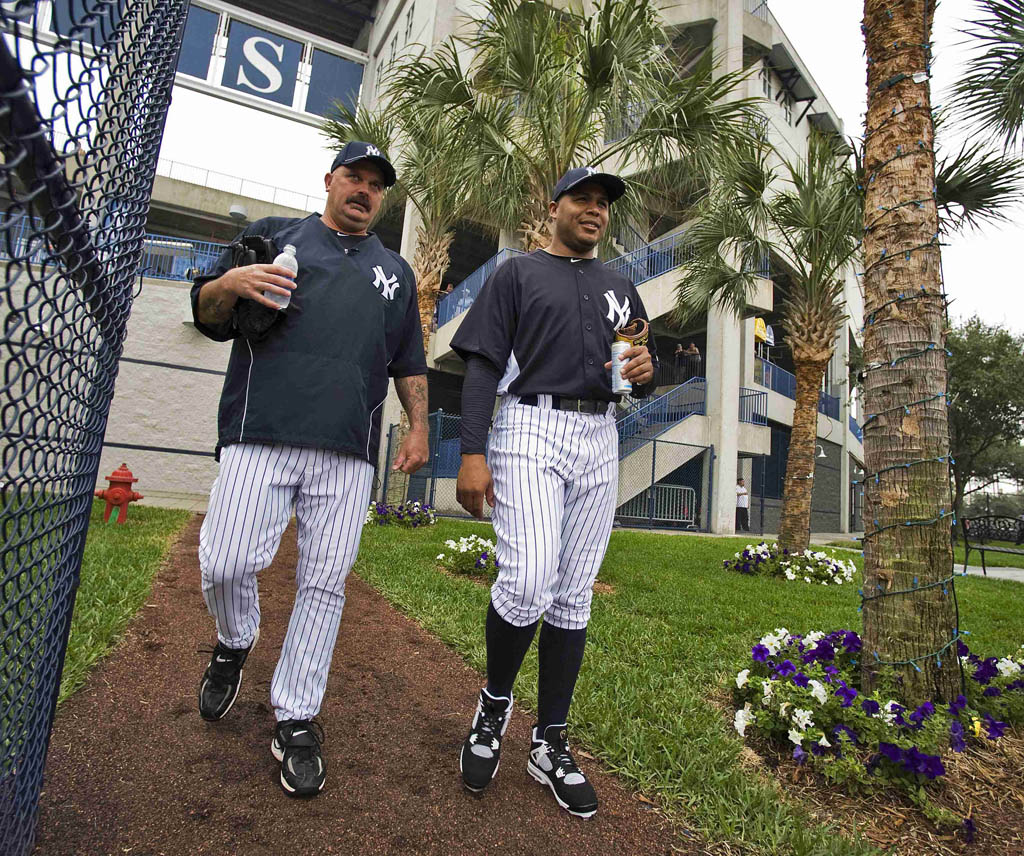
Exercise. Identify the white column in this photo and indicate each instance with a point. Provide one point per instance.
(410, 223)
(841, 384)
(747, 354)
(722, 367)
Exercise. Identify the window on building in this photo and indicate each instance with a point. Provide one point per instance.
(394, 47)
(766, 81)
(787, 108)
(408, 22)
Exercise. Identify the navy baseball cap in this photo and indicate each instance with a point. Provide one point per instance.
(357, 151)
(613, 185)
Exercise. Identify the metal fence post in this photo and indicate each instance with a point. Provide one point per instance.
(763, 469)
(650, 493)
(711, 484)
(387, 464)
(435, 456)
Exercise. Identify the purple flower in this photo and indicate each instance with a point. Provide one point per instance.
(759, 654)
(992, 692)
(994, 728)
(799, 755)
(957, 705)
(870, 707)
(843, 729)
(922, 713)
(785, 668)
(801, 680)
(847, 695)
(851, 642)
(986, 671)
(915, 761)
(891, 751)
(1015, 685)
(956, 736)
(817, 750)
(968, 830)
(961, 649)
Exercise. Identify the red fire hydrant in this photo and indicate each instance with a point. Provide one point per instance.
(119, 494)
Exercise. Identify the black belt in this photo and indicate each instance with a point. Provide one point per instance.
(576, 405)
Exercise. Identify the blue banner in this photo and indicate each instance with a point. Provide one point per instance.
(333, 79)
(197, 45)
(261, 63)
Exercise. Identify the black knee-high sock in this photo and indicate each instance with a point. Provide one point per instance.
(506, 647)
(561, 655)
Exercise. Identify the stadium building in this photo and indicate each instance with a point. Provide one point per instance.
(242, 141)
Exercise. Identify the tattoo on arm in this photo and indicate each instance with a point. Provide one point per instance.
(412, 392)
(215, 304)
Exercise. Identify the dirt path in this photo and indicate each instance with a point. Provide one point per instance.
(133, 769)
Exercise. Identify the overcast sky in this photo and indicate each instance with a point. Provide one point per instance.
(983, 269)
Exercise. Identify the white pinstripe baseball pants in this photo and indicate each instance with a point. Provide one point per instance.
(250, 506)
(556, 479)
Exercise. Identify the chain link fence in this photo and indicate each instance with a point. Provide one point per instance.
(84, 91)
(661, 483)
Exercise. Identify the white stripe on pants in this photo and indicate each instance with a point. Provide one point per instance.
(250, 506)
(555, 485)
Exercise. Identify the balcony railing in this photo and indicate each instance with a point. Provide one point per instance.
(163, 256)
(753, 406)
(654, 259)
(240, 186)
(856, 429)
(462, 296)
(757, 8)
(829, 406)
(779, 380)
(659, 414)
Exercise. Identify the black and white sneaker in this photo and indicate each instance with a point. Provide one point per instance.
(481, 753)
(222, 679)
(551, 763)
(297, 746)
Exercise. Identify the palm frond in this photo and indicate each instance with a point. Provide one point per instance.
(977, 186)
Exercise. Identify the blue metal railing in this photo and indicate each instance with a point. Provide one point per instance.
(753, 406)
(659, 414)
(828, 405)
(163, 256)
(855, 429)
(462, 296)
(774, 378)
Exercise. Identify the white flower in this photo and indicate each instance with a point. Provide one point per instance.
(741, 679)
(824, 742)
(795, 736)
(440, 555)
(802, 719)
(1008, 667)
(450, 544)
(814, 637)
(742, 719)
(790, 575)
(784, 707)
(766, 688)
(818, 691)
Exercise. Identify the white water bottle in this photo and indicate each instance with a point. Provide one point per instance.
(285, 259)
(620, 386)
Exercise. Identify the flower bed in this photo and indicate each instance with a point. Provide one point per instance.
(804, 692)
(411, 514)
(471, 555)
(808, 567)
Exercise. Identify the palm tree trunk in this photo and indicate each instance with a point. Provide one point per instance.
(906, 439)
(795, 525)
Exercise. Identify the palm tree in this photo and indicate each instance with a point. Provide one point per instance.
(806, 216)
(991, 94)
(907, 502)
(545, 89)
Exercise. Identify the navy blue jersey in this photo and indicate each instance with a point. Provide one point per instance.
(320, 376)
(548, 323)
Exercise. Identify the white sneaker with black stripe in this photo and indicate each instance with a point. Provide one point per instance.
(551, 763)
(481, 751)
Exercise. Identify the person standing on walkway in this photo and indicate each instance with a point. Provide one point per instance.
(539, 335)
(299, 424)
(742, 506)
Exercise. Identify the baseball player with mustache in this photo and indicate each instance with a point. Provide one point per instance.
(539, 336)
(299, 425)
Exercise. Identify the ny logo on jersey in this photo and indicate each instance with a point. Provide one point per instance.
(618, 313)
(373, 151)
(385, 284)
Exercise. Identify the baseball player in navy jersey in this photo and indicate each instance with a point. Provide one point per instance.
(299, 425)
(539, 336)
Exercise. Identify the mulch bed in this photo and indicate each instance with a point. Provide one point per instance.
(133, 769)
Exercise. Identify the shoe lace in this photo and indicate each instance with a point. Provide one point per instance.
(490, 722)
(306, 755)
(219, 671)
(562, 757)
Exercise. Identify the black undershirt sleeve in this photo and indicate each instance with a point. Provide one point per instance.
(478, 391)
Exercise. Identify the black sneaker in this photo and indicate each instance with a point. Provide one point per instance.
(297, 746)
(551, 763)
(478, 761)
(222, 679)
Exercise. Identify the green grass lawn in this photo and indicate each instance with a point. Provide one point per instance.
(659, 648)
(992, 560)
(117, 572)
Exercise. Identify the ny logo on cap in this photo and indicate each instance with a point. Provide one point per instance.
(618, 313)
(373, 151)
(386, 285)
(590, 170)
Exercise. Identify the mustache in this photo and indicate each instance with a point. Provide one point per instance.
(360, 199)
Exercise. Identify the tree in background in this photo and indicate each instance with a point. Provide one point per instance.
(908, 507)
(986, 414)
(807, 215)
(547, 89)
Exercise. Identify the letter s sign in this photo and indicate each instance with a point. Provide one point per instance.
(261, 63)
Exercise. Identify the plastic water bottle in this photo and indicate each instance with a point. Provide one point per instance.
(620, 385)
(284, 259)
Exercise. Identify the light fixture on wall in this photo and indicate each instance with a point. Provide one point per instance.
(821, 451)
